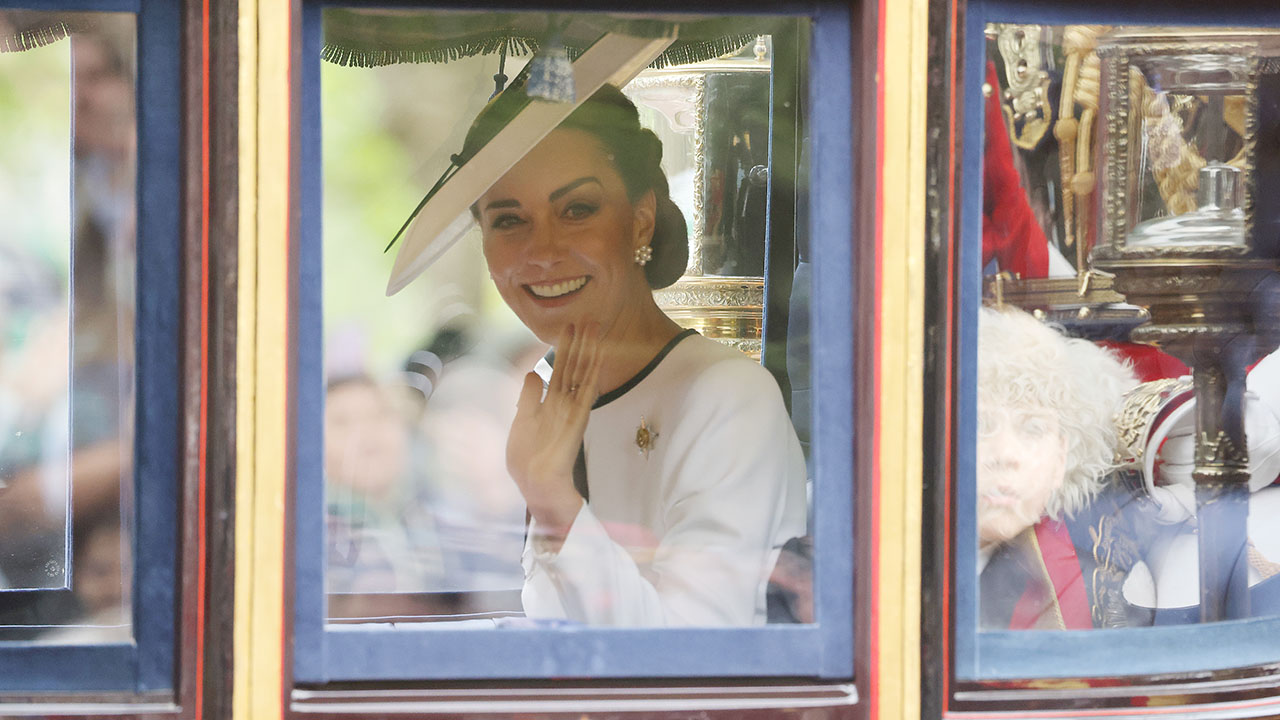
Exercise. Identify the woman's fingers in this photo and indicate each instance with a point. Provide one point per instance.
(591, 376)
(587, 370)
(572, 361)
(530, 394)
(579, 348)
(564, 346)
(575, 376)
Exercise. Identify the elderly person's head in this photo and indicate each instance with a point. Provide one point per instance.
(1046, 432)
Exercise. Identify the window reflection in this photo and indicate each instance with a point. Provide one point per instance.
(424, 519)
(1127, 247)
(67, 191)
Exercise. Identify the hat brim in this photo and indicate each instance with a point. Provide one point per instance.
(446, 217)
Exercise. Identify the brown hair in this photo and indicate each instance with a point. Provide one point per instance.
(636, 153)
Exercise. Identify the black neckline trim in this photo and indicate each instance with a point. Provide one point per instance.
(622, 389)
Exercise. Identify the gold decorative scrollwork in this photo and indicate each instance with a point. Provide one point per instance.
(727, 309)
(1141, 404)
(712, 292)
(1026, 106)
(1219, 450)
(1080, 86)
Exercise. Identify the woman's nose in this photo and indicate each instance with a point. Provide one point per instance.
(543, 248)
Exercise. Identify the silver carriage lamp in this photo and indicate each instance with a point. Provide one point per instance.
(1189, 223)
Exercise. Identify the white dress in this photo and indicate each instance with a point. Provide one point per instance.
(686, 534)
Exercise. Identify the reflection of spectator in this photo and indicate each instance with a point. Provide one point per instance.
(34, 408)
(65, 405)
(465, 425)
(423, 369)
(99, 573)
(99, 611)
(380, 538)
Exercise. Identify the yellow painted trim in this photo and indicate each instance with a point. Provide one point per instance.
(261, 356)
(246, 335)
(902, 358)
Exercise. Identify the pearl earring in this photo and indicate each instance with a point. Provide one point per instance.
(644, 254)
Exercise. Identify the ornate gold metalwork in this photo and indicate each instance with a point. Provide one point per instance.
(1080, 86)
(646, 437)
(1115, 552)
(1220, 450)
(747, 346)
(1026, 101)
(1141, 405)
(727, 309)
(1090, 288)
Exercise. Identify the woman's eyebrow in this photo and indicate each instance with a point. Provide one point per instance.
(557, 194)
(497, 204)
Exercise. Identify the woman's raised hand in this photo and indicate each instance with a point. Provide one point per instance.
(547, 432)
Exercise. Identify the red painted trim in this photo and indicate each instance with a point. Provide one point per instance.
(948, 361)
(201, 490)
(873, 699)
(1127, 711)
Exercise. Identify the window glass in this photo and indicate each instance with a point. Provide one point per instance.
(693, 470)
(67, 193)
(1128, 387)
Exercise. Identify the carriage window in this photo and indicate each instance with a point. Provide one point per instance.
(574, 391)
(66, 325)
(1127, 380)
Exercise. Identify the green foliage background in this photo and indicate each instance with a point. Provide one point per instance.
(387, 135)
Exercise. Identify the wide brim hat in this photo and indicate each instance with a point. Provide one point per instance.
(608, 48)
(444, 215)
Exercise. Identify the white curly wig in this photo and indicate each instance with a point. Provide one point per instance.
(1023, 362)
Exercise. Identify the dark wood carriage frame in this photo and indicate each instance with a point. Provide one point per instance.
(206, 358)
(204, 677)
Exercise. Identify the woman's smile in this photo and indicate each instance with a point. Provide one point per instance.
(558, 289)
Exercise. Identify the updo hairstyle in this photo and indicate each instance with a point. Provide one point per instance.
(636, 153)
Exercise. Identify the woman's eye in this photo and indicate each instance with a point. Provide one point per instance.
(505, 221)
(579, 210)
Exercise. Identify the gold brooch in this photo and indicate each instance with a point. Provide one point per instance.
(646, 437)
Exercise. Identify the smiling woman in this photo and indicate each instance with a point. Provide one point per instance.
(677, 529)
(644, 475)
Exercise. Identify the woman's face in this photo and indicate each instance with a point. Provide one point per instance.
(560, 236)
